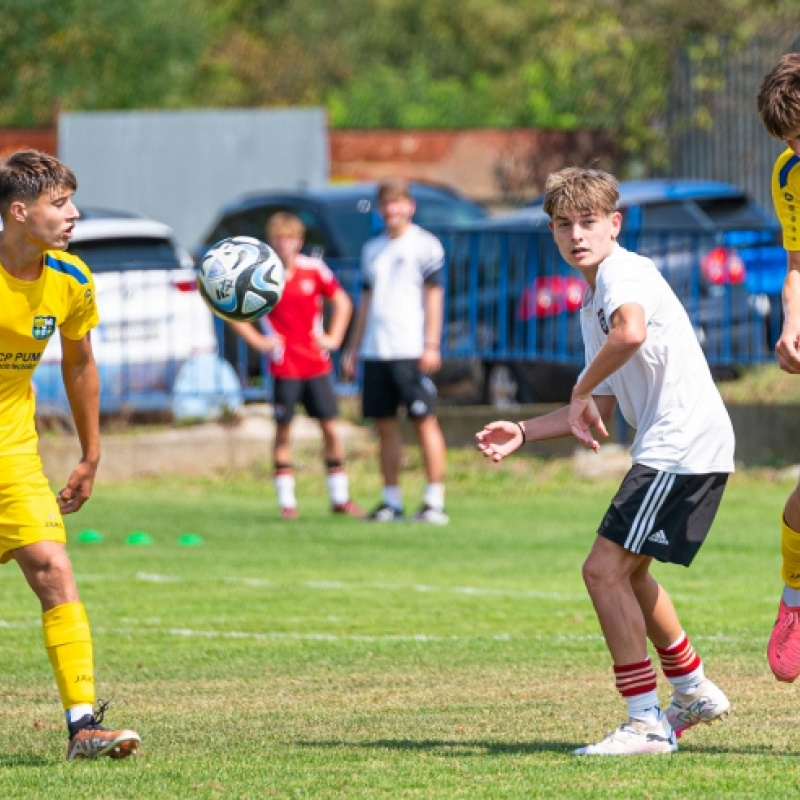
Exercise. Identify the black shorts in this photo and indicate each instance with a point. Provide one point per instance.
(387, 384)
(316, 394)
(663, 514)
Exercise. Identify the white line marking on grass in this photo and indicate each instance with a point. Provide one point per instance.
(153, 577)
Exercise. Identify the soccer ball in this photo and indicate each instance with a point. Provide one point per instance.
(241, 278)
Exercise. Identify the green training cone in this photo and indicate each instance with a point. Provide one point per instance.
(189, 540)
(89, 537)
(139, 538)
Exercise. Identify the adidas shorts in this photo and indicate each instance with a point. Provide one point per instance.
(662, 514)
(28, 509)
(388, 384)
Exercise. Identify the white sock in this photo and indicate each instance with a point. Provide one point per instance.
(644, 707)
(791, 596)
(434, 496)
(393, 497)
(78, 712)
(338, 487)
(284, 486)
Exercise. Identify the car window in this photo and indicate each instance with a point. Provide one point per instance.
(434, 213)
(126, 253)
(733, 211)
(353, 228)
(253, 222)
(670, 215)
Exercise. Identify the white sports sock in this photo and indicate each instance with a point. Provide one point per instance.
(338, 488)
(791, 596)
(434, 496)
(284, 486)
(644, 707)
(78, 712)
(392, 496)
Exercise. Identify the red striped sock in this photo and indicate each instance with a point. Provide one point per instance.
(637, 684)
(682, 666)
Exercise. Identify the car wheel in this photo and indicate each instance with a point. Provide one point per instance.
(501, 386)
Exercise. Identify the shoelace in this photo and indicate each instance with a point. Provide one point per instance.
(97, 716)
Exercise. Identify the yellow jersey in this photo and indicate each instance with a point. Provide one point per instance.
(786, 196)
(62, 298)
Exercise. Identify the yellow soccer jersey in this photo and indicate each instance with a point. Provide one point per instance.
(786, 196)
(63, 297)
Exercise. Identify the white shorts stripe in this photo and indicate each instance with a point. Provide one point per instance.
(643, 523)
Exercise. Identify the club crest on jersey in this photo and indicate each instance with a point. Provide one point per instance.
(43, 327)
(601, 318)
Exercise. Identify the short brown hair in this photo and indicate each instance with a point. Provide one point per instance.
(285, 222)
(392, 188)
(579, 189)
(28, 174)
(779, 98)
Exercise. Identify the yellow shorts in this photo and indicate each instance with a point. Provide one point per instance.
(28, 509)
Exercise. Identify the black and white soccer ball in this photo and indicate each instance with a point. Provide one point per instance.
(241, 278)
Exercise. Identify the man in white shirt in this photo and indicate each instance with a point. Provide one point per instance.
(398, 329)
(641, 352)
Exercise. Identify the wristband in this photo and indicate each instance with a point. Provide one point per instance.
(522, 431)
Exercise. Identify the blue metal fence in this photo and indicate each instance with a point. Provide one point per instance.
(510, 298)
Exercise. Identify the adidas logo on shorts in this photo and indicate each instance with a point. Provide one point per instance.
(659, 537)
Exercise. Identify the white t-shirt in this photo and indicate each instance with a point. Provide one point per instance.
(665, 391)
(396, 270)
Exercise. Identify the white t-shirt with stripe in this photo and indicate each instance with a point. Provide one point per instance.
(665, 391)
(396, 271)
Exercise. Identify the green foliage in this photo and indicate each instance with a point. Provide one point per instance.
(380, 63)
(96, 54)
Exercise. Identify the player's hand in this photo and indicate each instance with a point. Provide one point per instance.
(325, 342)
(583, 416)
(787, 350)
(78, 488)
(348, 364)
(431, 360)
(499, 439)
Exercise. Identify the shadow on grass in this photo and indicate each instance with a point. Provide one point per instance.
(451, 748)
(24, 760)
(463, 748)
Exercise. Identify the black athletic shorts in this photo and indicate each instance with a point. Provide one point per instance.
(387, 384)
(663, 514)
(316, 394)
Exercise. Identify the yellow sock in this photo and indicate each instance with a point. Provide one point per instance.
(790, 548)
(69, 647)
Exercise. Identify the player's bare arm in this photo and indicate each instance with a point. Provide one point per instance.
(499, 439)
(627, 334)
(82, 384)
(258, 341)
(431, 360)
(787, 350)
(342, 310)
(350, 356)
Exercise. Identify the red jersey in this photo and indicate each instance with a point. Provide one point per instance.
(297, 317)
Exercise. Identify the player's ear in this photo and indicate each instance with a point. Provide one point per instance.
(18, 211)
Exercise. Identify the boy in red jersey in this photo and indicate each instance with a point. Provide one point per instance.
(300, 364)
(44, 290)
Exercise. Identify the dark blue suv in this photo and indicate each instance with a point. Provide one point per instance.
(339, 219)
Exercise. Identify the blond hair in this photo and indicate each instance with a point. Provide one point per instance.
(579, 189)
(778, 98)
(285, 223)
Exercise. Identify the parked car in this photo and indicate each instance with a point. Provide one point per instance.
(339, 219)
(716, 246)
(152, 318)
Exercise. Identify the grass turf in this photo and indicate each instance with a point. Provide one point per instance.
(328, 657)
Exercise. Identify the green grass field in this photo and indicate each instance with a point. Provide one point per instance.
(332, 658)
